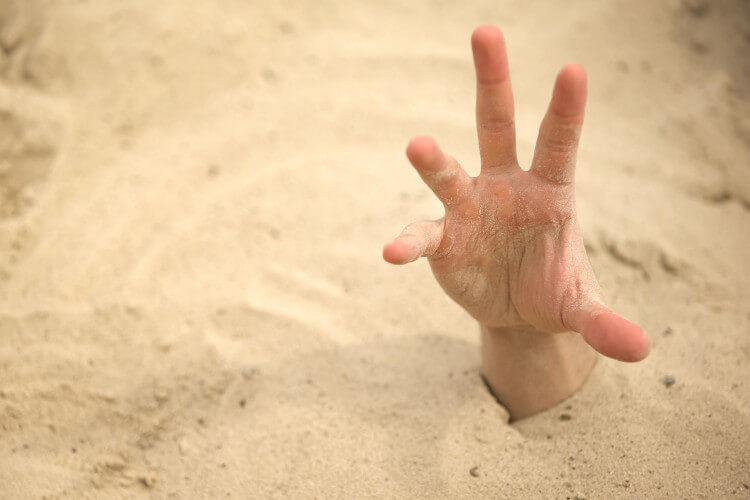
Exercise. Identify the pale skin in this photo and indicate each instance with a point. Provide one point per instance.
(509, 249)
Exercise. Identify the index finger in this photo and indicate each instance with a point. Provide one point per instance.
(555, 154)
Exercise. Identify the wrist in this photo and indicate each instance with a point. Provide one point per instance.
(529, 370)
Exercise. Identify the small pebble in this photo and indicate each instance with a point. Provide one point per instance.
(474, 471)
(668, 381)
(565, 417)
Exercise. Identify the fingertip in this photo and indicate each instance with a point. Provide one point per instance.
(645, 348)
(490, 56)
(574, 70)
(616, 337)
(634, 343)
(396, 252)
(486, 34)
(390, 254)
(569, 95)
(422, 151)
(420, 143)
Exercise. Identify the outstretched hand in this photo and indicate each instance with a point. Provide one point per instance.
(509, 248)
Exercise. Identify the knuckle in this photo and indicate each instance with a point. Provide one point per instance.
(497, 125)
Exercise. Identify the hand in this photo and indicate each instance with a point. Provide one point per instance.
(509, 249)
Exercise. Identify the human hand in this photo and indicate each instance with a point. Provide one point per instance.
(509, 248)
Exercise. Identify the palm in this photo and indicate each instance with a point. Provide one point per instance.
(509, 249)
(501, 245)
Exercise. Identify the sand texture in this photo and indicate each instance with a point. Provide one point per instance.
(193, 201)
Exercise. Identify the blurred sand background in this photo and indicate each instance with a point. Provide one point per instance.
(193, 201)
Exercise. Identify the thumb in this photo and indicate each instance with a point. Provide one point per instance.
(612, 335)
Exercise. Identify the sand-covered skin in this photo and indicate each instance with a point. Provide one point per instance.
(193, 200)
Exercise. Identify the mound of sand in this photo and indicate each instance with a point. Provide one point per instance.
(193, 198)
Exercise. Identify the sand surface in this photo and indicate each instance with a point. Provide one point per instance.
(193, 200)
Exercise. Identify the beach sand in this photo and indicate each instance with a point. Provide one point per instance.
(193, 202)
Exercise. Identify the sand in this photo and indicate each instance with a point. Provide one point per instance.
(193, 201)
